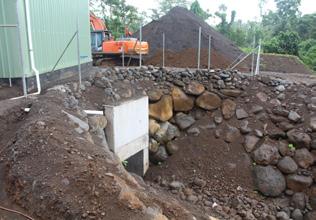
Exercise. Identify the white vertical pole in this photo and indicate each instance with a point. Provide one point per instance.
(209, 52)
(140, 44)
(163, 49)
(253, 56)
(199, 48)
(258, 59)
(78, 51)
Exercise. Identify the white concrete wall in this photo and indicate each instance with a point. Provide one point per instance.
(127, 130)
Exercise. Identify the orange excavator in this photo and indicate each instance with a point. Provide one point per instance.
(105, 47)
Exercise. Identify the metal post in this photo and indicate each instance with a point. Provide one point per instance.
(258, 59)
(199, 48)
(209, 52)
(163, 49)
(78, 50)
(140, 44)
(253, 56)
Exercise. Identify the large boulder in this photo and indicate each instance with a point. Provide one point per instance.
(228, 108)
(181, 102)
(298, 183)
(194, 88)
(299, 138)
(269, 181)
(303, 158)
(184, 121)
(209, 101)
(162, 110)
(287, 165)
(266, 154)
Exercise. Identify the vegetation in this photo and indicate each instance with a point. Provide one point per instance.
(284, 31)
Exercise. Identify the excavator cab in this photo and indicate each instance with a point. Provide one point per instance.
(97, 39)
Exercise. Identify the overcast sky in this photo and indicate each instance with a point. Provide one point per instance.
(246, 9)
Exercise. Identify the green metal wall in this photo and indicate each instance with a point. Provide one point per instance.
(53, 23)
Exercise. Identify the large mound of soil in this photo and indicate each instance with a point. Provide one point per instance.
(181, 28)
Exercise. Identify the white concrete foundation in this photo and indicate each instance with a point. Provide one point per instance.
(127, 130)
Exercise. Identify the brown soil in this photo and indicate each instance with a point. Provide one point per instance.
(181, 28)
(7, 92)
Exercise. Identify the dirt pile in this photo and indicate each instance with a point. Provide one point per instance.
(181, 28)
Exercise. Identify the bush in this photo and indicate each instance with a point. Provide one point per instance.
(307, 52)
(283, 43)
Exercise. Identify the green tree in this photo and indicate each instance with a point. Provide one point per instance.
(306, 26)
(224, 26)
(197, 10)
(284, 43)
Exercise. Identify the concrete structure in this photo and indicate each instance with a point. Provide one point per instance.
(127, 133)
(53, 24)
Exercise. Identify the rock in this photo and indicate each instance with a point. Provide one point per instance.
(269, 181)
(280, 88)
(194, 131)
(298, 183)
(97, 123)
(228, 108)
(262, 96)
(199, 182)
(176, 185)
(256, 109)
(172, 148)
(282, 216)
(310, 215)
(208, 101)
(275, 102)
(153, 146)
(241, 114)
(299, 201)
(266, 154)
(250, 143)
(294, 117)
(153, 127)
(285, 126)
(162, 110)
(184, 121)
(313, 123)
(231, 92)
(194, 88)
(181, 102)
(232, 134)
(299, 138)
(218, 119)
(303, 158)
(160, 156)
(287, 165)
(154, 95)
(167, 132)
(285, 150)
(297, 215)
(244, 127)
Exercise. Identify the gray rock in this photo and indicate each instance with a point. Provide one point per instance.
(172, 148)
(166, 132)
(269, 181)
(287, 165)
(194, 131)
(250, 142)
(241, 114)
(303, 158)
(184, 121)
(256, 109)
(280, 88)
(299, 138)
(244, 129)
(160, 156)
(218, 119)
(294, 117)
(266, 154)
(176, 185)
(297, 215)
(298, 183)
(313, 123)
(282, 216)
(77, 121)
(299, 201)
(232, 134)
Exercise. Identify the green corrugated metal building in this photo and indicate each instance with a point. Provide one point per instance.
(53, 23)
